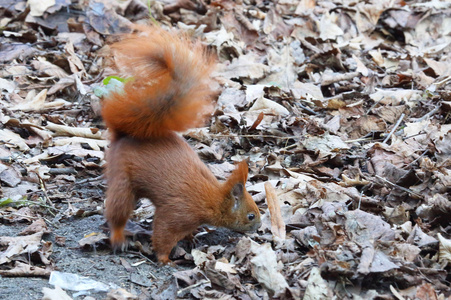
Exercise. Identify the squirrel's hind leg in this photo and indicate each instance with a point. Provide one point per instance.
(119, 204)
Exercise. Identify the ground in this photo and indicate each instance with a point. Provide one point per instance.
(341, 109)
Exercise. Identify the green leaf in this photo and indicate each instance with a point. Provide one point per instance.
(6, 201)
(123, 80)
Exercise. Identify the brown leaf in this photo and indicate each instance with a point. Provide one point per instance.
(25, 270)
(37, 226)
(277, 223)
(48, 68)
(19, 245)
(426, 292)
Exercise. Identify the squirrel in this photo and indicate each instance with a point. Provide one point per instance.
(170, 91)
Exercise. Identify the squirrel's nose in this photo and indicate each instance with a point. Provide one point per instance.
(257, 225)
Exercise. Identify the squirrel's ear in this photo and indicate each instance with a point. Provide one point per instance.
(240, 173)
(237, 194)
(235, 184)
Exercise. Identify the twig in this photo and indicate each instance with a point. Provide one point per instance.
(306, 108)
(427, 115)
(256, 136)
(59, 171)
(413, 135)
(44, 191)
(355, 103)
(360, 199)
(423, 154)
(400, 187)
(28, 202)
(179, 292)
(360, 140)
(287, 148)
(143, 256)
(443, 81)
(100, 177)
(152, 262)
(394, 128)
(51, 223)
(375, 103)
(24, 216)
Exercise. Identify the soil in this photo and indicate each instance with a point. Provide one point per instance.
(102, 264)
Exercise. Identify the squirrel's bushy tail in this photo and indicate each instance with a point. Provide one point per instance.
(171, 86)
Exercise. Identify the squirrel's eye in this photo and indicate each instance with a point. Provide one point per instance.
(251, 217)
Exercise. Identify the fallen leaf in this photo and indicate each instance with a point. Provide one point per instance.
(277, 224)
(444, 248)
(268, 106)
(38, 7)
(56, 294)
(266, 269)
(25, 270)
(317, 287)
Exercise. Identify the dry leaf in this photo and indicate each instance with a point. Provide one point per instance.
(7, 85)
(326, 145)
(266, 270)
(277, 224)
(48, 68)
(444, 248)
(56, 294)
(38, 7)
(317, 287)
(25, 270)
(19, 245)
(38, 103)
(268, 106)
(13, 139)
(92, 133)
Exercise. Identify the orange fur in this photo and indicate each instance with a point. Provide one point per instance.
(170, 92)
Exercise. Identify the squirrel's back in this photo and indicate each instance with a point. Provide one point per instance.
(170, 89)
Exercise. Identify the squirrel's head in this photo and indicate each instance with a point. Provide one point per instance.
(241, 212)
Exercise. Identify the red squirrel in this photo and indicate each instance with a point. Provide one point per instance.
(170, 91)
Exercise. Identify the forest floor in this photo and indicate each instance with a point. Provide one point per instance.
(341, 108)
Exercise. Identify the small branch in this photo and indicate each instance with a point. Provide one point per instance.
(423, 154)
(46, 196)
(361, 140)
(400, 187)
(203, 281)
(60, 171)
(355, 104)
(394, 128)
(375, 103)
(145, 257)
(443, 81)
(100, 177)
(256, 136)
(427, 115)
(306, 108)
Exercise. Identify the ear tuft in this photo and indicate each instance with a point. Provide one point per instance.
(235, 183)
(241, 171)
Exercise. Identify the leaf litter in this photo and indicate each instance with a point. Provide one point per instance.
(341, 108)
